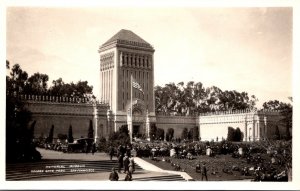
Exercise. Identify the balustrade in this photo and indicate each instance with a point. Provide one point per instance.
(59, 99)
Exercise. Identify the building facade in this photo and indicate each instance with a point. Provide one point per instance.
(254, 125)
(122, 56)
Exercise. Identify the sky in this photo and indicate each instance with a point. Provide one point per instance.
(243, 49)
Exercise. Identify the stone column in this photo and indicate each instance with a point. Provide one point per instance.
(95, 121)
(246, 129)
(199, 128)
(147, 126)
(129, 124)
(258, 130)
(265, 126)
(109, 123)
(253, 128)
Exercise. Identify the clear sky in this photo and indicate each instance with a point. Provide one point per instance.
(243, 49)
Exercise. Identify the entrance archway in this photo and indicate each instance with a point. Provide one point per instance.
(136, 131)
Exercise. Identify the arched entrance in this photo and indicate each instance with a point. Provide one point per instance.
(137, 125)
(138, 118)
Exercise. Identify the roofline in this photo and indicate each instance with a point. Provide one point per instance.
(126, 44)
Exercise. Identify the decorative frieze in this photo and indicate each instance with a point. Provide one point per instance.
(107, 61)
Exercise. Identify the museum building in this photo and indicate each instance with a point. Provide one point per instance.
(124, 55)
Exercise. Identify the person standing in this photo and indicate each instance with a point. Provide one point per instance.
(113, 175)
(204, 172)
(93, 148)
(120, 163)
(128, 176)
(131, 165)
(119, 150)
(111, 152)
(126, 163)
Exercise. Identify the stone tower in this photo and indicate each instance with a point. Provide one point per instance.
(123, 55)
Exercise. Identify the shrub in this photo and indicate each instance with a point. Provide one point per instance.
(184, 134)
(230, 134)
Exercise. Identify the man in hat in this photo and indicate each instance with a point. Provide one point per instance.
(113, 175)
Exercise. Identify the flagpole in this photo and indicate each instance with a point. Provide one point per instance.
(130, 131)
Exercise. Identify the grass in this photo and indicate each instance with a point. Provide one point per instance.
(214, 164)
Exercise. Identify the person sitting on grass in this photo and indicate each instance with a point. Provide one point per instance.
(177, 167)
(227, 170)
(113, 175)
(214, 170)
(189, 156)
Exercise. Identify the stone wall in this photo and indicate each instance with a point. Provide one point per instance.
(254, 125)
(63, 114)
(178, 123)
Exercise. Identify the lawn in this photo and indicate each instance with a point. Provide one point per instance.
(215, 166)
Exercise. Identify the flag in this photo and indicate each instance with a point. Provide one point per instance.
(136, 85)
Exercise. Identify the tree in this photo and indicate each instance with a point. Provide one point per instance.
(231, 134)
(288, 120)
(277, 133)
(234, 134)
(19, 135)
(160, 134)
(195, 98)
(286, 110)
(153, 130)
(79, 90)
(121, 137)
(90, 130)
(31, 130)
(191, 134)
(70, 135)
(15, 83)
(124, 130)
(238, 136)
(36, 84)
(124, 134)
(50, 136)
(169, 134)
(184, 134)
(195, 133)
(102, 145)
(7, 64)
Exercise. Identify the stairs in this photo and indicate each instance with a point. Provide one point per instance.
(47, 168)
(59, 167)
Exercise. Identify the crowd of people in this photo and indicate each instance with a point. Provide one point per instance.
(266, 161)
